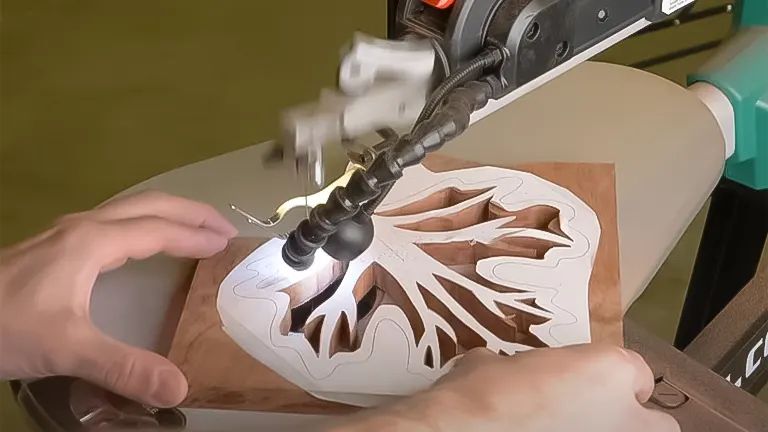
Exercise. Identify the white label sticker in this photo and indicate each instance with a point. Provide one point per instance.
(670, 6)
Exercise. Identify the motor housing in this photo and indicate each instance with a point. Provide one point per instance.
(539, 34)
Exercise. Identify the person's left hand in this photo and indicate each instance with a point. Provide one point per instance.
(46, 283)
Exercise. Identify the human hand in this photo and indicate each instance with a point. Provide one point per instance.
(589, 387)
(46, 283)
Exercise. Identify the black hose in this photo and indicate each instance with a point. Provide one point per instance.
(370, 207)
(337, 226)
(462, 76)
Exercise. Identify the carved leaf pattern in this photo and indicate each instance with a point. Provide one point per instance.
(458, 229)
(473, 257)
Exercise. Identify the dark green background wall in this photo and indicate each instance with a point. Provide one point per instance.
(99, 95)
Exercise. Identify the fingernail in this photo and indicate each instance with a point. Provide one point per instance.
(233, 232)
(221, 242)
(229, 231)
(170, 388)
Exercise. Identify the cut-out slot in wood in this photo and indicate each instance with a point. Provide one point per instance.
(397, 294)
(366, 305)
(372, 300)
(448, 347)
(312, 332)
(462, 257)
(466, 338)
(540, 217)
(308, 294)
(367, 296)
(429, 359)
(341, 338)
(301, 313)
(366, 301)
(439, 200)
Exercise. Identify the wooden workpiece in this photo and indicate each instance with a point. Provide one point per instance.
(223, 375)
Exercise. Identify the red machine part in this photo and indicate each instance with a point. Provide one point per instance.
(439, 4)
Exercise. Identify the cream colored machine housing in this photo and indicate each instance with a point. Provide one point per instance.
(667, 145)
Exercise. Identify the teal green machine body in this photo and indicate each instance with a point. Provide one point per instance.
(739, 69)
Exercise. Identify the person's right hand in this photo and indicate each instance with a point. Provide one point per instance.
(581, 388)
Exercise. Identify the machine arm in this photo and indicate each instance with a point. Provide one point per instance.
(342, 226)
(455, 63)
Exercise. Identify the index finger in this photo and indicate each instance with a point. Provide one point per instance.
(159, 204)
(107, 244)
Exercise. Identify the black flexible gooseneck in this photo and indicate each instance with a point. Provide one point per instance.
(342, 226)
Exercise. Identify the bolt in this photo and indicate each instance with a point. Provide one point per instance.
(667, 396)
(562, 49)
(602, 15)
(533, 31)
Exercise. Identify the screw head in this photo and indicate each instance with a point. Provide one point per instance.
(667, 396)
(562, 49)
(602, 15)
(533, 31)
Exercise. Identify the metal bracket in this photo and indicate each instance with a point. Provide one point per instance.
(308, 201)
(382, 84)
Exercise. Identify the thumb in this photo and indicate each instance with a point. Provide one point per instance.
(137, 374)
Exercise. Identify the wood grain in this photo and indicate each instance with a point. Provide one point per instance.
(223, 376)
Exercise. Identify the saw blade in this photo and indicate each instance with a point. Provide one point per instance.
(311, 172)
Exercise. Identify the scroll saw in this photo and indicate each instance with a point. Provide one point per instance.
(455, 63)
